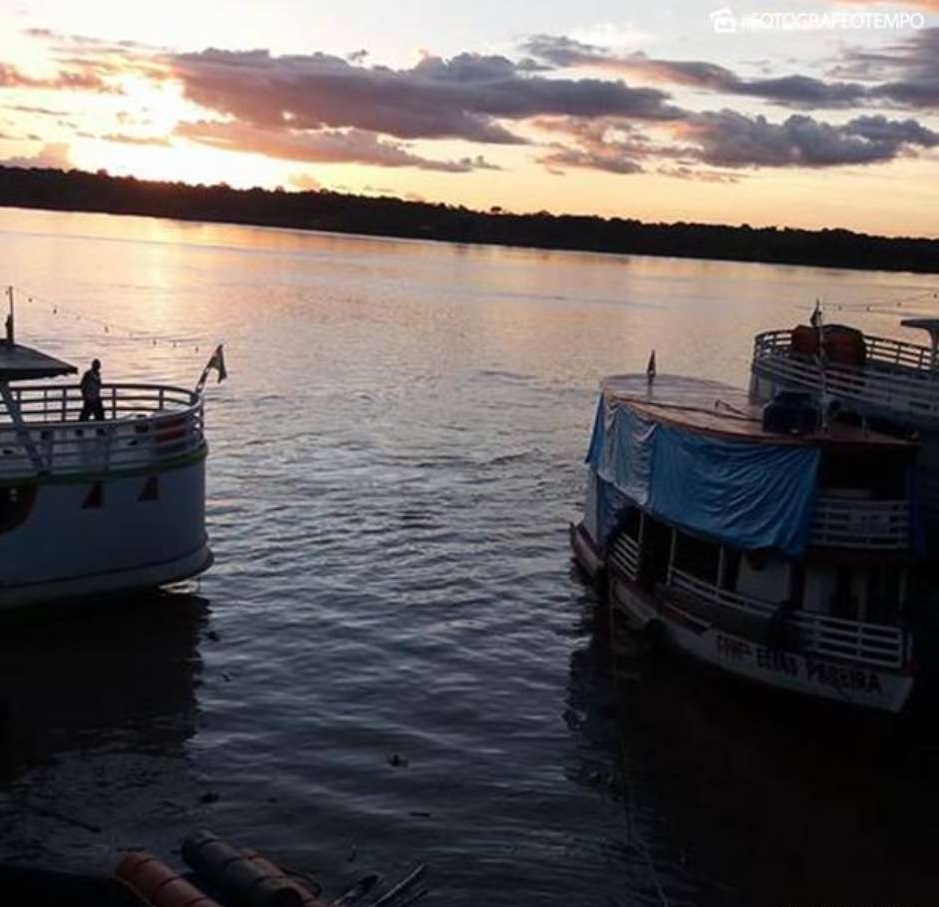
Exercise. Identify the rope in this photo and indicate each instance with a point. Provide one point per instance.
(874, 306)
(109, 327)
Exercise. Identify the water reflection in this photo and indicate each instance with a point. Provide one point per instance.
(96, 707)
(123, 675)
(769, 798)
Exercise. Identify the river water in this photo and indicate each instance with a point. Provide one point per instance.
(392, 660)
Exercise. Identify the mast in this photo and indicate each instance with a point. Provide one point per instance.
(10, 401)
(10, 320)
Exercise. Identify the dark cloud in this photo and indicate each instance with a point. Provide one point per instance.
(801, 91)
(795, 90)
(36, 111)
(609, 145)
(467, 97)
(78, 79)
(908, 74)
(691, 172)
(128, 139)
(730, 139)
(619, 147)
(328, 146)
(321, 108)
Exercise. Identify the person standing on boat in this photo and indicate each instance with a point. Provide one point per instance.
(92, 408)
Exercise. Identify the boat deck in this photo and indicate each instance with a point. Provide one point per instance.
(712, 407)
(145, 426)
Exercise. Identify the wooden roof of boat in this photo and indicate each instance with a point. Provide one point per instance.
(22, 363)
(711, 407)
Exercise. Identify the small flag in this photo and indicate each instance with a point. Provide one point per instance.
(816, 319)
(217, 362)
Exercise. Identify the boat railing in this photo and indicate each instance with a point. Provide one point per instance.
(624, 556)
(884, 351)
(897, 376)
(144, 425)
(869, 524)
(878, 645)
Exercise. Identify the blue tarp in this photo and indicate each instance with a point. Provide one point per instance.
(742, 493)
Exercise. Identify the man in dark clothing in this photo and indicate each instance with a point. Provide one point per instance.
(92, 407)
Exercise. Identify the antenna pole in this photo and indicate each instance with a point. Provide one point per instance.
(9, 322)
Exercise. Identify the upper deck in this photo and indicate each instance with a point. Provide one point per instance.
(858, 501)
(145, 427)
(711, 407)
(899, 381)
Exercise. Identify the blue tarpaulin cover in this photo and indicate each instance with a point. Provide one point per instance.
(742, 493)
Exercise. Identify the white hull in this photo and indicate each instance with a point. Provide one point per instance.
(86, 537)
(109, 583)
(833, 681)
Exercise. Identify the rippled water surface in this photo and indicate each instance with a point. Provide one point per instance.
(392, 660)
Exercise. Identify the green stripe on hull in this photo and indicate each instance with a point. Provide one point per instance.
(153, 468)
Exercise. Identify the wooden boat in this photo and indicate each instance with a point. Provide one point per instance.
(766, 542)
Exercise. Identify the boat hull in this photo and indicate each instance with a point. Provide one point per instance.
(93, 535)
(842, 682)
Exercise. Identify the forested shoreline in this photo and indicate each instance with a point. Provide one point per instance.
(382, 216)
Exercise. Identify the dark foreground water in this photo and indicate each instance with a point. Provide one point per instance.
(392, 660)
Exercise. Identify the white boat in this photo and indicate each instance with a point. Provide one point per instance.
(770, 545)
(890, 384)
(88, 508)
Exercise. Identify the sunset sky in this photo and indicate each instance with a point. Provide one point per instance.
(821, 114)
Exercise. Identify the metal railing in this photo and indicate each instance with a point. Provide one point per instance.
(897, 376)
(878, 645)
(851, 523)
(144, 425)
(624, 556)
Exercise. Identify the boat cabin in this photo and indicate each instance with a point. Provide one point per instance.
(696, 496)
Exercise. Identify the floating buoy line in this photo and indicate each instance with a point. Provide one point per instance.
(876, 306)
(17, 295)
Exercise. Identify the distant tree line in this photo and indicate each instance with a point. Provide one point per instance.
(321, 210)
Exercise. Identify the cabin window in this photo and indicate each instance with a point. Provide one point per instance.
(656, 550)
(883, 594)
(151, 489)
(879, 474)
(630, 523)
(731, 571)
(697, 557)
(763, 575)
(95, 497)
(844, 601)
(796, 585)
